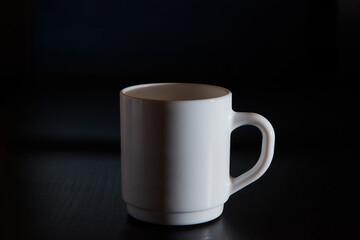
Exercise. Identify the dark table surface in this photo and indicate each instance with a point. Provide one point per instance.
(61, 194)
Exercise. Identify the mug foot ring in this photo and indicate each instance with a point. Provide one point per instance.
(175, 218)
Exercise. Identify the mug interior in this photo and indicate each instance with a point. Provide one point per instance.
(175, 91)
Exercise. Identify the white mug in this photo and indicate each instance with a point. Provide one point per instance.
(175, 151)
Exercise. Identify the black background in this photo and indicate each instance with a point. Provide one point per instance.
(64, 62)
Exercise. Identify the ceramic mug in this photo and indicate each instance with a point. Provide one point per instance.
(175, 148)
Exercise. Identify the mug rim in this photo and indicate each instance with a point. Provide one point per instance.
(124, 91)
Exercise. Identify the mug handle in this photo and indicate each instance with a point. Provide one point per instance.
(267, 149)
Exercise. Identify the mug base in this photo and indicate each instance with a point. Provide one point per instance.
(175, 218)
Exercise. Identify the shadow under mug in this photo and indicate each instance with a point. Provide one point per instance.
(175, 151)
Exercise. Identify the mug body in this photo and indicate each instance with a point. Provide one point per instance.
(175, 147)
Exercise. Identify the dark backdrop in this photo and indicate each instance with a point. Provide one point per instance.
(295, 62)
(292, 61)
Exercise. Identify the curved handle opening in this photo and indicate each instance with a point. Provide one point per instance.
(267, 148)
